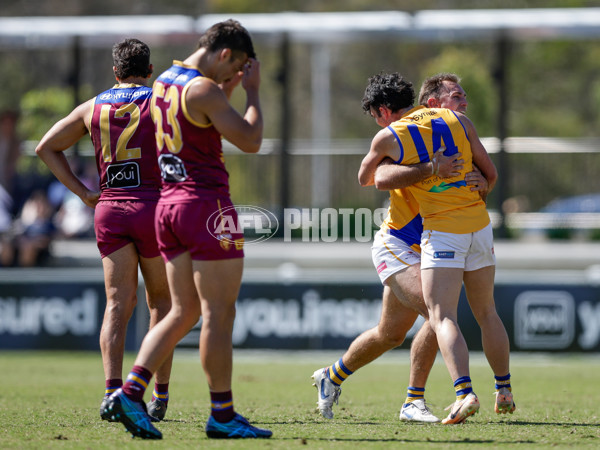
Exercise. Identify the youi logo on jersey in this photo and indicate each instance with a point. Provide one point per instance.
(172, 168)
(125, 175)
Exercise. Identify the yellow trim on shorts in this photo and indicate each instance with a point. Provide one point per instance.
(403, 262)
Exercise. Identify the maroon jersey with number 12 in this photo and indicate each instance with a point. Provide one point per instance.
(122, 132)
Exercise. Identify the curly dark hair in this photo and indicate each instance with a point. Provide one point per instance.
(390, 90)
(131, 58)
(228, 34)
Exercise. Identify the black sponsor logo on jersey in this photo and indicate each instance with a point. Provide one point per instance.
(422, 115)
(172, 168)
(125, 175)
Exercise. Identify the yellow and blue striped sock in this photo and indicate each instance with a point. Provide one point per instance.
(137, 382)
(463, 387)
(503, 382)
(112, 385)
(414, 393)
(161, 392)
(338, 372)
(222, 406)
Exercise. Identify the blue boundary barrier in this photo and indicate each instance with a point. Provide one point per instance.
(64, 313)
(67, 314)
(538, 317)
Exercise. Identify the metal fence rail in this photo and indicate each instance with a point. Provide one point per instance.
(539, 171)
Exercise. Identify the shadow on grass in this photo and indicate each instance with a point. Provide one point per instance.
(414, 441)
(502, 423)
(174, 421)
(426, 439)
(556, 424)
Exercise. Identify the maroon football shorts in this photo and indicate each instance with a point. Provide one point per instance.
(208, 229)
(117, 223)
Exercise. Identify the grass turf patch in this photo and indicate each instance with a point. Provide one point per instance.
(52, 400)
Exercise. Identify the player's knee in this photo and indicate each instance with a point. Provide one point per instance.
(485, 314)
(125, 293)
(395, 341)
(160, 305)
(220, 315)
(391, 336)
(120, 305)
(185, 317)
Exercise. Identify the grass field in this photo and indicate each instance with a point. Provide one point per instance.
(50, 400)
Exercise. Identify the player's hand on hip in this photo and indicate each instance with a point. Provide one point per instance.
(91, 198)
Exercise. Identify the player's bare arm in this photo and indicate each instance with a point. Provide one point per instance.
(481, 158)
(64, 134)
(390, 176)
(383, 146)
(207, 103)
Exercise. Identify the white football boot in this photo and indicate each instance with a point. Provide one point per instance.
(327, 392)
(417, 411)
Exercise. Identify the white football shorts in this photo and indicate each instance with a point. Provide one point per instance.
(469, 251)
(391, 255)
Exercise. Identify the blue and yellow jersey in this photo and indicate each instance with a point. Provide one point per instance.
(446, 204)
(403, 219)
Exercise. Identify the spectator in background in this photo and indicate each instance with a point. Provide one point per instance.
(6, 248)
(73, 218)
(34, 231)
(10, 151)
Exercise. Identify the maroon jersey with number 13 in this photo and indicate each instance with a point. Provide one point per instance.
(190, 154)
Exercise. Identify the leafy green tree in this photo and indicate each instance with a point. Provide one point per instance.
(40, 109)
(476, 80)
(554, 88)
